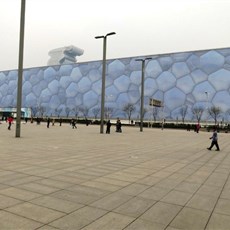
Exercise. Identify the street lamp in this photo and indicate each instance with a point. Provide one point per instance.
(20, 69)
(142, 90)
(206, 93)
(103, 79)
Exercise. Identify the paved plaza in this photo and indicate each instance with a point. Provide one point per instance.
(64, 178)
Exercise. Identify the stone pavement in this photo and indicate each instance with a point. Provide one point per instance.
(62, 178)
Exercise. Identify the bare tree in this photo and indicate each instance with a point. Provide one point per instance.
(34, 111)
(214, 112)
(129, 109)
(76, 111)
(197, 112)
(41, 110)
(145, 110)
(155, 112)
(183, 112)
(67, 111)
(108, 112)
(58, 112)
(96, 112)
(85, 111)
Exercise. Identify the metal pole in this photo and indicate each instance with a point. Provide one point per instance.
(103, 86)
(142, 95)
(20, 69)
(103, 79)
(142, 91)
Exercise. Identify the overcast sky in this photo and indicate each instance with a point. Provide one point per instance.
(143, 27)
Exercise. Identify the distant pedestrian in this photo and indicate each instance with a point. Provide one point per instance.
(73, 123)
(118, 126)
(48, 122)
(108, 125)
(198, 128)
(214, 138)
(10, 121)
(60, 121)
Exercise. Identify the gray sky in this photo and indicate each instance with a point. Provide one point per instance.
(143, 27)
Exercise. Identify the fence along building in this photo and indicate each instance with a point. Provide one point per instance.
(197, 78)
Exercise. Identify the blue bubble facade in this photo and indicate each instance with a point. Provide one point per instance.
(198, 78)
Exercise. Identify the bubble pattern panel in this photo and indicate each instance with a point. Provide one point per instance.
(198, 78)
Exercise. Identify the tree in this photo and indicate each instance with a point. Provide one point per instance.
(34, 111)
(84, 110)
(96, 112)
(58, 111)
(155, 112)
(214, 112)
(197, 112)
(129, 109)
(41, 110)
(76, 111)
(183, 112)
(67, 111)
(108, 112)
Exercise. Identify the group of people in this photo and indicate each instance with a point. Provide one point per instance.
(214, 136)
(118, 126)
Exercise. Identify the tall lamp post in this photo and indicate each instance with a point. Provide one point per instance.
(20, 69)
(142, 91)
(103, 79)
(206, 93)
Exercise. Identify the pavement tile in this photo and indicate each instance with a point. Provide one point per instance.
(134, 207)
(54, 183)
(88, 190)
(218, 222)
(110, 221)
(75, 197)
(101, 185)
(209, 190)
(140, 224)
(22, 180)
(154, 193)
(20, 194)
(35, 212)
(149, 180)
(111, 201)
(47, 227)
(134, 189)
(161, 213)
(9, 221)
(113, 181)
(57, 204)
(79, 219)
(223, 207)
(202, 202)
(177, 197)
(190, 218)
(38, 188)
(187, 187)
(69, 179)
(6, 202)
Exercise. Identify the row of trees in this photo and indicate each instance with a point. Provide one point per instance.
(129, 109)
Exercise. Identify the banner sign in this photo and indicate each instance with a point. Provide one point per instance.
(154, 102)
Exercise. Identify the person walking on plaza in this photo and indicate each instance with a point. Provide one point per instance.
(73, 123)
(108, 125)
(214, 138)
(118, 126)
(48, 122)
(10, 121)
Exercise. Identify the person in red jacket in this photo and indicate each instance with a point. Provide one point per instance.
(10, 121)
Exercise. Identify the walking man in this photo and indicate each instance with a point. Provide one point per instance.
(214, 138)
